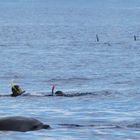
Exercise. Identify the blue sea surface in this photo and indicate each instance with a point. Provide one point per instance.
(45, 42)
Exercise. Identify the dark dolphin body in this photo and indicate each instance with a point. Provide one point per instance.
(19, 123)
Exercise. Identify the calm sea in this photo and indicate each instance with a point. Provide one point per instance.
(45, 42)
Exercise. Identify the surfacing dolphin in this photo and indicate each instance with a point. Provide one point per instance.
(22, 124)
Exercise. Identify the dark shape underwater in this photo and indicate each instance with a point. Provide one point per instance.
(22, 124)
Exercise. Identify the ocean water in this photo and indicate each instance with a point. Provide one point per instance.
(45, 42)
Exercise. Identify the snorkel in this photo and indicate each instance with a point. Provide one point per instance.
(53, 87)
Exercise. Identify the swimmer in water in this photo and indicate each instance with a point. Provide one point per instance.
(16, 90)
(60, 93)
(57, 93)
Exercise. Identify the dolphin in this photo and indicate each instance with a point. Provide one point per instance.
(20, 123)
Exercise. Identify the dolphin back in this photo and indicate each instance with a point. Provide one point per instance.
(20, 123)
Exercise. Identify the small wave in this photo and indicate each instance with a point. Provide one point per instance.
(73, 94)
(69, 79)
(104, 93)
(100, 126)
(104, 125)
(134, 125)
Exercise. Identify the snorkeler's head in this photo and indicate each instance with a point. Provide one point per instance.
(16, 90)
(59, 93)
